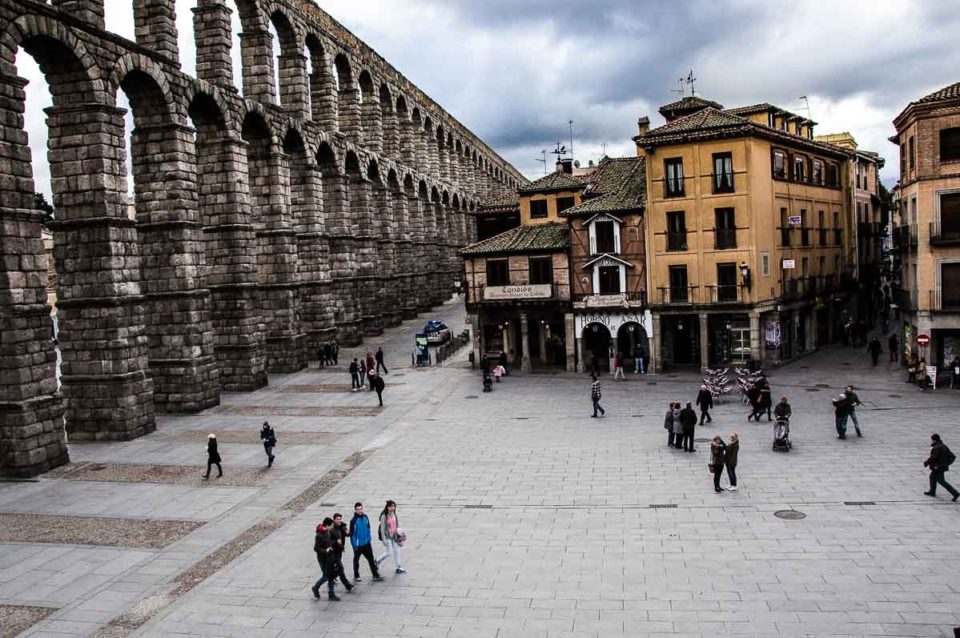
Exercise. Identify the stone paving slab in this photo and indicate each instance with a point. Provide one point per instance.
(85, 530)
(17, 618)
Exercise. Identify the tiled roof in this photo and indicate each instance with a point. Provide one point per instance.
(505, 202)
(541, 237)
(713, 124)
(617, 185)
(555, 181)
(753, 108)
(687, 103)
(951, 92)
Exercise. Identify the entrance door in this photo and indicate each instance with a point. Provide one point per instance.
(596, 347)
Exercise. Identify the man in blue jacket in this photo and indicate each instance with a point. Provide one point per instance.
(360, 538)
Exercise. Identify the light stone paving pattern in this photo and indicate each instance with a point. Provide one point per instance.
(526, 517)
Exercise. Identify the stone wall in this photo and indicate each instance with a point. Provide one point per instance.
(264, 227)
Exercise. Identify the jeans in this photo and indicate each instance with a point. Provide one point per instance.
(671, 438)
(939, 478)
(842, 426)
(269, 450)
(354, 380)
(367, 552)
(732, 474)
(856, 423)
(619, 373)
(596, 406)
(390, 548)
(717, 473)
(328, 577)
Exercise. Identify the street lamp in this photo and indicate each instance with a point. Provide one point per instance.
(745, 274)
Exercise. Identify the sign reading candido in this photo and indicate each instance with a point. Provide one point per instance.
(923, 340)
(523, 291)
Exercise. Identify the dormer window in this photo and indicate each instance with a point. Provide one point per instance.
(538, 209)
(563, 203)
(605, 240)
(604, 232)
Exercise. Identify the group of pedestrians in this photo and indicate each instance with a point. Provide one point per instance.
(330, 542)
(724, 455)
(366, 370)
(328, 353)
(267, 436)
(680, 425)
(844, 409)
(760, 397)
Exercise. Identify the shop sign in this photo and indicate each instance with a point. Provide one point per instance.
(794, 219)
(771, 334)
(789, 264)
(612, 320)
(523, 291)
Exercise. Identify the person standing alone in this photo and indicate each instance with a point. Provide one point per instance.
(595, 395)
(705, 403)
(875, 349)
(939, 462)
(361, 539)
(892, 345)
(213, 456)
(269, 438)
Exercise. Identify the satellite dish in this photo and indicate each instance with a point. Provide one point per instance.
(577, 164)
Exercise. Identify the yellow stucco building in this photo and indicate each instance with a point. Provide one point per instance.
(748, 233)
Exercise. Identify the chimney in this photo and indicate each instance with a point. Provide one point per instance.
(564, 165)
(643, 124)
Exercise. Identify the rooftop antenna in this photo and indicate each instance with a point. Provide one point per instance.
(543, 160)
(806, 104)
(690, 80)
(603, 145)
(560, 151)
(571, 139)
(679, 91)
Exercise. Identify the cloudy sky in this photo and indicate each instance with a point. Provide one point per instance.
(515, 72)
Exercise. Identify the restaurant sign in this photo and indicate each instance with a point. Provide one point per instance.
(522, 291)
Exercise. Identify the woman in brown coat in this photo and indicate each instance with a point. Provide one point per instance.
(718, 456)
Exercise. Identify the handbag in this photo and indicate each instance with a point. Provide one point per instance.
(712, 468)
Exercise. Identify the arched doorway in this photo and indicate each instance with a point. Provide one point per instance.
(632, 342)
(597, 343)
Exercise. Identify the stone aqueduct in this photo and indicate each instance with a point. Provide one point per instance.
(263, 227)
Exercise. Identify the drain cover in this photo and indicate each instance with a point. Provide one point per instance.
(521, 418)
(703, 440)
(651, 383)
(663, 506)
(813, 389)
(821, 385)
(789, 515)
(895, 396)
(845, 363)
(471, 396)
(636, 416)
(859, 503)
(478, 507)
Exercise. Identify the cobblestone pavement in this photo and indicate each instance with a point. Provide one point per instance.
(525, 516)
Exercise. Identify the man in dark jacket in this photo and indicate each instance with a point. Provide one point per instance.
(841, 412)
(892, 346)
(939, 462)
(379, 357)
(854, 401)
(875, 349)
(705, 402)
(376, 382)
(783, 410)
(269, 438)
(766, 398)
(339, 534)
(355, 375)
(326, 556)
(688, 419)
(361, 539)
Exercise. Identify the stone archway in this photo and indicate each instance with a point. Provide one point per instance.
(632, 341)
(596, 341)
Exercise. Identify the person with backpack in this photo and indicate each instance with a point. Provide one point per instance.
(940, 460)
(391, 536)
(269, 438)
(595, 395)
(323, 548)
(705, 403)
(361, 541)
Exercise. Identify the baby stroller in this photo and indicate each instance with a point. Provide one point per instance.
(781, 435)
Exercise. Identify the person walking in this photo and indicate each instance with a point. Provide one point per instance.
(323, 548)
(841, 411)
(391, 536)
(783, 410)
(753, 398)
(595, 395)
(939, 462)
(892, 346)
(361, 539)
(380, 364)
(376, 382)
(618, 367)
(355, 375)
(766, 398)
(718, 458)
(269, 438)
(875, 349)
(668, 426)
(213, 456)
(854, 401)
(730, 460)
(688, 423)
(705, 403)
(338, 534)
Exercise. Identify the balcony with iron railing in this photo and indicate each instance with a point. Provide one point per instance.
(945, 234)
(905, 237)
(726, 293)
(677, 294)
(676, 241)
(724, 238)
(905, 299)
(945, 300)
(635, 299)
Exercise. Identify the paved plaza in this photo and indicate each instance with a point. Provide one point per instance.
(525, 516)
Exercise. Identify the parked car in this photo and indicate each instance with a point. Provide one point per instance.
(436, 331)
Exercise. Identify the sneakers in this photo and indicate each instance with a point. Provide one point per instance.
(401, 570)
(316, 592)
(357, 578)
(732, 488)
